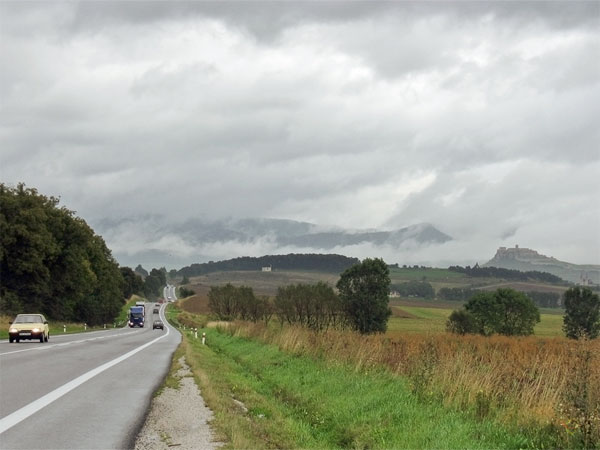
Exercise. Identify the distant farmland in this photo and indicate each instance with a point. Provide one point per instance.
(263, 283)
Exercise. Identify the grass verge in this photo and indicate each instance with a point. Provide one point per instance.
(266, 398)
(263, 397)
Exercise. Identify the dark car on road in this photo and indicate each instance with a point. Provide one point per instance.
(155, 311)
(158, 324)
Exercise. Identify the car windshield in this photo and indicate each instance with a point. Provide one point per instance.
(28, 318)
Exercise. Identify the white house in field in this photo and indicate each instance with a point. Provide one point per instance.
(266, 269)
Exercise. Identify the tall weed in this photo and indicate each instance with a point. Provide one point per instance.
(543, 383)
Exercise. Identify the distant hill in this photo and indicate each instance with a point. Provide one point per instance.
(527, 260)
(323, 263)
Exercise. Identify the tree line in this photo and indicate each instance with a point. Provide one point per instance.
(52, 262)
(463, 294)
(316, 262)
(507, 274)
(414, 288)
(361, 305)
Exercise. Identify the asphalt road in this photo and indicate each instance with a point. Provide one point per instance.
(169, 293)
(82, 391)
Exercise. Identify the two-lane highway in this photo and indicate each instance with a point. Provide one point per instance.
(83, 391)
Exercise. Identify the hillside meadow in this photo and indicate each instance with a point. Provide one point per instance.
(544, 388)
(414, 316)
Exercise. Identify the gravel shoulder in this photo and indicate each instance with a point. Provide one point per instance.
(178, 418)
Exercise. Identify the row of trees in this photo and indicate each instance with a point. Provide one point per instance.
(414, 288)
(231, 302)
(513, 313)
(362, 303)
(51, 261)
(507, 274)
(463, 294)
(545, 299)
(457, 294)
(315, 306)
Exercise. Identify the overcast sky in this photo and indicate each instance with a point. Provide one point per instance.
(479, 118)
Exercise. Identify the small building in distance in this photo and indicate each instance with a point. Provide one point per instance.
(266, 269)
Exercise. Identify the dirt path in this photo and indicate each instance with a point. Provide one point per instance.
(178, 419)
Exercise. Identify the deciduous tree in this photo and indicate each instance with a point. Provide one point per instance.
(582, 313)
(504, 311)
(364, 292)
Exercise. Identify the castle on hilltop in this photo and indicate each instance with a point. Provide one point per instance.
(520, 253)
(526, 259)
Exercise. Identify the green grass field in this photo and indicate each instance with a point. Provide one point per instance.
(433, 320)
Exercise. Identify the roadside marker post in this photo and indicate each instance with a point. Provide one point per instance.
(64, 328)
(85, 327)
(105, 326)
(196, 333)
(203, 338)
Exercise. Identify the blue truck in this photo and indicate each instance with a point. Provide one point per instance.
(136, 316)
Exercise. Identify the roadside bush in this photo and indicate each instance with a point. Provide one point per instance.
(461, 322)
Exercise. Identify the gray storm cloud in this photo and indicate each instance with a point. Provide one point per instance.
(477, 117)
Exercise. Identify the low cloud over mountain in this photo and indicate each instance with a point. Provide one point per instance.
(152, 241)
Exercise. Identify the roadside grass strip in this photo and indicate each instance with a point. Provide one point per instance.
(265, 398)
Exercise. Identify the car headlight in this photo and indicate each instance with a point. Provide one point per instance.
(35, 330)
(13, 330)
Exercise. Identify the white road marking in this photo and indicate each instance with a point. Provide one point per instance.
(49, 346)
(64, 335)
(21, 414)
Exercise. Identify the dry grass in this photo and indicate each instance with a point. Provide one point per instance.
(399, 312)
(197, 304)
(519, 380)
(218, 324)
